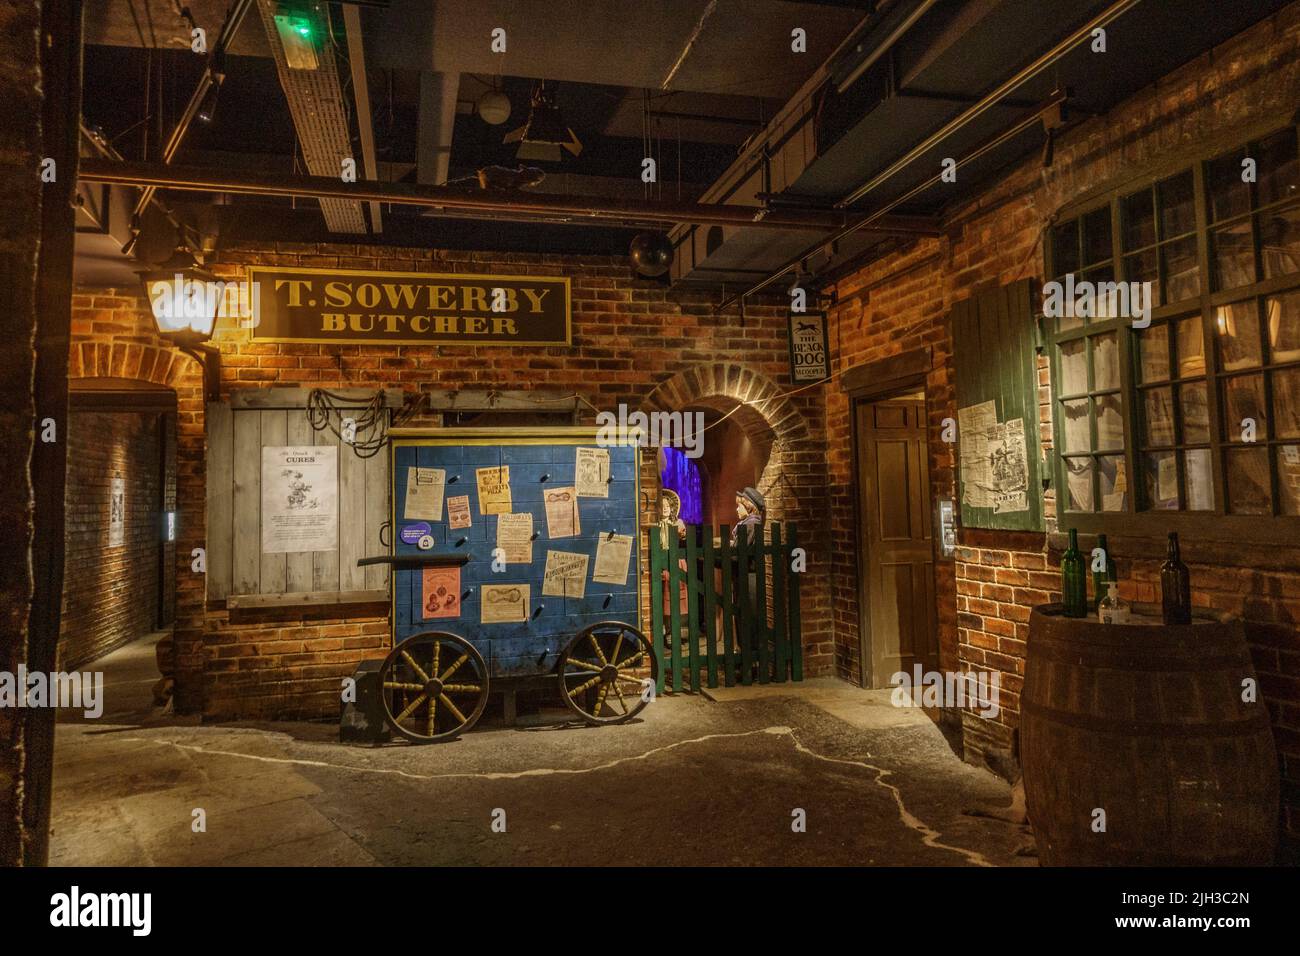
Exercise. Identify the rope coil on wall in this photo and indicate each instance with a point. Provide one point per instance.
(324, 407)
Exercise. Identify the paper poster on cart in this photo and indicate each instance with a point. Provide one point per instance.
(440, 594)
(565, 574)
(613, 553)
(494, 490)
(562, 513)
(592, 471)
(458, 512)
(117, 512)
(515, 537)
(424, 491)
(503, 603)
(300, 499)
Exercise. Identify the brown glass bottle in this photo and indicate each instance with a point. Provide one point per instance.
(1175, 587)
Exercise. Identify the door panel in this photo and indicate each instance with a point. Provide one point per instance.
(899, 623)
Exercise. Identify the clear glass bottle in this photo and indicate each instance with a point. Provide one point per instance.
(1112, 609)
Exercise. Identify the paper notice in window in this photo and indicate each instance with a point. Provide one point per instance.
(424, 490)
(503, 603)
(613, 553)
(1167, 479)
(592, 472)
(458, 512)
(515, 537)
(494, 490)
(562, 513)
(565, 575)
(441, 592)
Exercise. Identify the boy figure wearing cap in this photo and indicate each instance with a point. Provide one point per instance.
(750, 509)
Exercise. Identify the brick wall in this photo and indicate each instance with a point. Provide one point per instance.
(110, 595)
(986, 593)
(633, 342)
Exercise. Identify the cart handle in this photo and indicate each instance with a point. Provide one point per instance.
(418, 560)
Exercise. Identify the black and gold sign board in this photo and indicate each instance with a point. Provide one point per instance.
(408, 308)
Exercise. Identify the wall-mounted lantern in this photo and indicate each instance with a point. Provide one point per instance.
(185, 299)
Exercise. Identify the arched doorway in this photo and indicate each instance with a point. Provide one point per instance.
(120, 500)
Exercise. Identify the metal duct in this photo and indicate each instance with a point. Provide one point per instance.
(317, 106)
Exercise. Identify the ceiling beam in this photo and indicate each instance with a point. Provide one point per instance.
(507, 204)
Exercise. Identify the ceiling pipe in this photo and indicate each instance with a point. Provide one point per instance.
(1111, 13)
(157, 175)
(885, 45)
(361, 93)
(206, 82)
(1030, 119)
(987, 102)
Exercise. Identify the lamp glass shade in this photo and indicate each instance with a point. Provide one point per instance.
(184, 301)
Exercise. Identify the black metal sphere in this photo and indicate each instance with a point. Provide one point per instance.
(651, 253)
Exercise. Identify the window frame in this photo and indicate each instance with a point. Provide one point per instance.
(1217, 524)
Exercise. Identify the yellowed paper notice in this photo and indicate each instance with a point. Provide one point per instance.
(424, 491)
(592, 472)
(565, 575)
(515, 537)
(562, 513)
(458, 512)
(494, 490)
(613, 553)
(503, 603)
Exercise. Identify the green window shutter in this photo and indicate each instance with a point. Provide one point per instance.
(994, 337)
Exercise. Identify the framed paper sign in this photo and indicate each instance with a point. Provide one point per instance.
(810, 354)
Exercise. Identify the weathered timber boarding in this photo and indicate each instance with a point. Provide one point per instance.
(236, 565)
(994, 343)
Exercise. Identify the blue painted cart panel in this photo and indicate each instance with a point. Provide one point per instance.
(537, 462)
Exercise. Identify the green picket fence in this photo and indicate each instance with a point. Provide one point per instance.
(698, 647)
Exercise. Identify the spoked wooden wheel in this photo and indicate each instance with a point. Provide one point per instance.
(608, 672)
(435, 686)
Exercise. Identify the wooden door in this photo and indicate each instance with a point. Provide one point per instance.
(899, 621)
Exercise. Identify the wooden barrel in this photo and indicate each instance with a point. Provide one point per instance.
(1146, 723)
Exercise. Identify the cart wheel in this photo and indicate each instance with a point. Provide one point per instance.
(435, 686)
(605, 672)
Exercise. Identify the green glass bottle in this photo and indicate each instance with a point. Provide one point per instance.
(1074, 581)
(1104, 576)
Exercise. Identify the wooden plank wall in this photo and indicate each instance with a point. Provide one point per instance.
(994, 350)
(236, 564)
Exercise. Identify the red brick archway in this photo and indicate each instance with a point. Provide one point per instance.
(793, 480)
(113, 337)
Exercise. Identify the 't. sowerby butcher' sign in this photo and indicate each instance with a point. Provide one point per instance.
(409, 308)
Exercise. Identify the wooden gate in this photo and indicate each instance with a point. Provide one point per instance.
(712, 626)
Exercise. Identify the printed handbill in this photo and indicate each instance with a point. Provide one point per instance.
(300, 499)
(494, 490)
(503, 603)
(591, 472)
(424, 491)
(515, 537)
(565, 575)
(613, 554)
(562, 513)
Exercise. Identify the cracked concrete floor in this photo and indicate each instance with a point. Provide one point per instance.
(695, 782)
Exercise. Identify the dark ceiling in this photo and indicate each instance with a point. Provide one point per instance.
(692, 83)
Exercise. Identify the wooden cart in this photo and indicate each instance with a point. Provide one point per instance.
(467, 621)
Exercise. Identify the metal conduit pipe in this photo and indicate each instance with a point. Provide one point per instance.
(1084, 32)
(1030, 119)
(157, 175)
